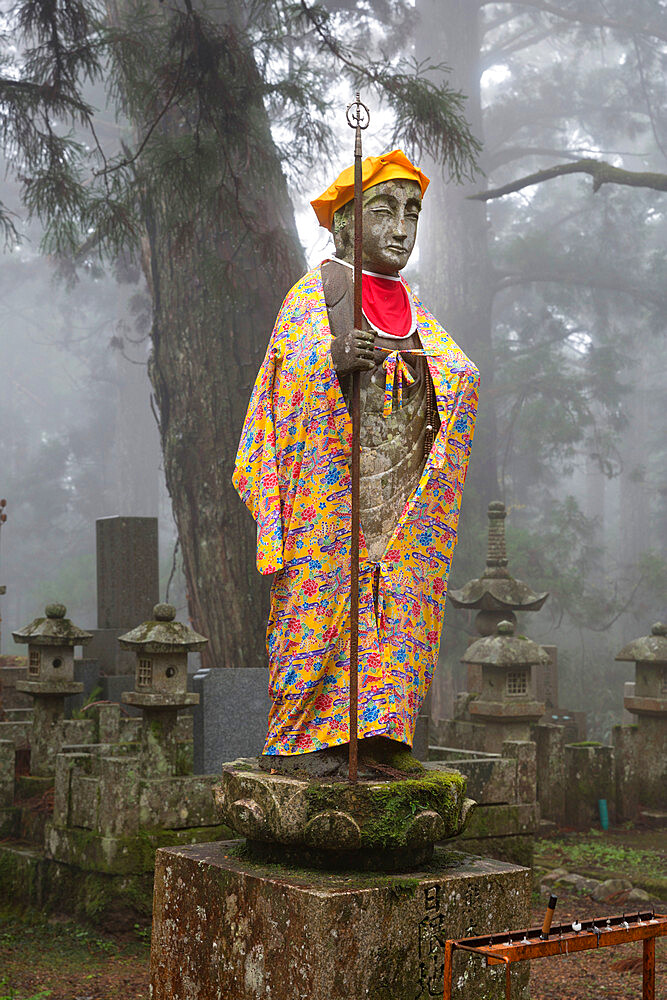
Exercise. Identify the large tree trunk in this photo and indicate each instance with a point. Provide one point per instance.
(209, 337)
(457, 286)
(453, 245)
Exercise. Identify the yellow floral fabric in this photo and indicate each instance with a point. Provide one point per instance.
(292, 471)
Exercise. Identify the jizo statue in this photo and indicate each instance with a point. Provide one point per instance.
(418, 405)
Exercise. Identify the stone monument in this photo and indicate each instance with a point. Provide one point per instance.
(496, 595)
(127, 590)
(339, 891)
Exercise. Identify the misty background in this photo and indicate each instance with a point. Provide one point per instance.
(556, 292)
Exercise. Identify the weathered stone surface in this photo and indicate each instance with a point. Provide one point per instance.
(110, 816)
(162, 634)
(127, 570)
(6, 773)
(337, 816)
(52, 629)
(504, 649)
(649, 648)
(552, 877)
(490, 778)
(502, 820)
(227, 928)
(589, 776)
(551, 787)
(13, 669)
(624, 739)
(113, 902)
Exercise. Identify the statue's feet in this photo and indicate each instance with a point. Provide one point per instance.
(379, 757)
(329, 763)
(381, 752)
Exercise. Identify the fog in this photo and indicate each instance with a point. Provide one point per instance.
(556, 291)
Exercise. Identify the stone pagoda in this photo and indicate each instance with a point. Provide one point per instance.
(506, 704)
(161, 647)
(648, 703)
(496, 595)
(50, 679)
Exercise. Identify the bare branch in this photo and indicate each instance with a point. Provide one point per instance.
(596, 20)
(516, 44)
(600, 171)
(614, 283)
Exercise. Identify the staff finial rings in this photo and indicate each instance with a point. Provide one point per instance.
(358, 115)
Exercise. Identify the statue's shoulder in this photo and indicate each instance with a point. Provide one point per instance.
(336, 284)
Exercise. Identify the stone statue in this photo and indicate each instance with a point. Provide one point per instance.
(418, 404)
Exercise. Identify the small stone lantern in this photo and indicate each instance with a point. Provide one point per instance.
(160, 684)
(50, 679)
(506, 703)
(649, 704)
(649, 654)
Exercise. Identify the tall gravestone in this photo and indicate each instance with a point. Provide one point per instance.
(127, 590)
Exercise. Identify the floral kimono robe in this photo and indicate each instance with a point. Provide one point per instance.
(292, 471)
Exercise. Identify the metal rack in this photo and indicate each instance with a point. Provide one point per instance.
(563, 939)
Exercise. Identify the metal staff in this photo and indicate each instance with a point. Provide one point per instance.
(358, 118)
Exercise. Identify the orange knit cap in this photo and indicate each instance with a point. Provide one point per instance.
(374, 170)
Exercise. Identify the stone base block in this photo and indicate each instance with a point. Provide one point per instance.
(111, 902)
(225, 927)
(128, 855)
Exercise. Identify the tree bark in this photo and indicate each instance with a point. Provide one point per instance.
(453, 247)
(217, 281)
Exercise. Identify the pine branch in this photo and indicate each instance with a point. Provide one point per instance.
(428, 117)
(600, 171)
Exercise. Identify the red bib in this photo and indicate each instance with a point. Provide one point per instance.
(386, 305)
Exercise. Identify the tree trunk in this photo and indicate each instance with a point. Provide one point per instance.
(453, 245)
(217, 280)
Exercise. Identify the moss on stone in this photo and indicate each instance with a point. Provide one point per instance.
(386, 809)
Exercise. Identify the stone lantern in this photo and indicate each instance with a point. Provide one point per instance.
(50, 679)
(160, 683)
(649, 703)
(506, 704)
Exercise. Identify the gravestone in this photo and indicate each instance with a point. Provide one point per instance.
(127, 590)
(231, 719)
(127, 570)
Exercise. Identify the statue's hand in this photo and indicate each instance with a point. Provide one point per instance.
(353, 352)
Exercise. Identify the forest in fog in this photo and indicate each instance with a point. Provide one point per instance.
(159, 160)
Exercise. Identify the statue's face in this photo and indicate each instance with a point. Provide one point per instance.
(390, 216)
